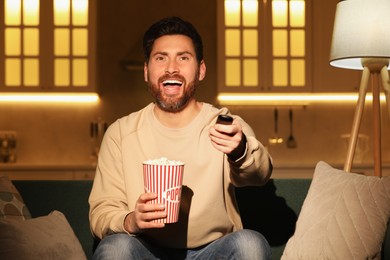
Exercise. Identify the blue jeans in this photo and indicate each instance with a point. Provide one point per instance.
(244, 244)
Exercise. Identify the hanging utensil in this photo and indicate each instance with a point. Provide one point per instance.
(275, 139)
(291, 142)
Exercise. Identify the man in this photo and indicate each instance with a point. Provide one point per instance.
(217, 157)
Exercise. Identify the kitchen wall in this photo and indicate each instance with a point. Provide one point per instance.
(59, 134)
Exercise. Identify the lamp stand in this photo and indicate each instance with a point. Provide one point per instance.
(374, 67)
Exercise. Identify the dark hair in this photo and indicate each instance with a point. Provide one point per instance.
(171, 26)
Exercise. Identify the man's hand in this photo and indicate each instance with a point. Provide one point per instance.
(140, 219)
(229, 139)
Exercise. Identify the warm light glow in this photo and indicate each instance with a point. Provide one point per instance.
(80, 42)
(31, 72)
(12, 12)
(31, 41)
(297, 13)
(290, 99)
(12, 72)
(250, 9)
(12, 41)
(80, 12)
(232, 12)
(361, 30)
(233, 42)
(61, 12)
(250, 42)
(50, 97)
(61, 42)
(280, 75)
(233, 72)
(80, 72)
(250, 72)
(31, 12)
(61, 72)
(279, 13)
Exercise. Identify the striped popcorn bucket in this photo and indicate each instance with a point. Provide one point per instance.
(166, 182)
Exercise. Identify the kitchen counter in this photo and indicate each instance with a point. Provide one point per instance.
(20, 171)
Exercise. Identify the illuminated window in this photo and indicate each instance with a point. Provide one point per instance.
(241, 44)
(47, 45)
(21, 43)
(71, 43)
(264, 45)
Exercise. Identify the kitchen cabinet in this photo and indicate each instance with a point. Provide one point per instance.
(264, 46)
(319, 75)
(47, 47)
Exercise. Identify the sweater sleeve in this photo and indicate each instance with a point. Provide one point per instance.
(108, 202)
(255, 166)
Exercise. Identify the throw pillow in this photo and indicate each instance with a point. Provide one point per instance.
(11, 203)
(344, 216)
(47, 237)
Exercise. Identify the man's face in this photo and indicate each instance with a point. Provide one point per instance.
(173, 72)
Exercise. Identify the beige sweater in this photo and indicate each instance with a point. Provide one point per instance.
(208, 208)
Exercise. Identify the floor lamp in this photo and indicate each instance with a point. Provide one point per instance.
(361, 41)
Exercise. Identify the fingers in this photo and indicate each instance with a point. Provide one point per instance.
(149, 211)
(226, 138)
(145, 212)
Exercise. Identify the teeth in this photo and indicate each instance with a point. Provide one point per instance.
(172, 82)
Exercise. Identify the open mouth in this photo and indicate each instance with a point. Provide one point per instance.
(172, 83)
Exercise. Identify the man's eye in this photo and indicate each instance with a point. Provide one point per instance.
(184, 58)
(159, 58)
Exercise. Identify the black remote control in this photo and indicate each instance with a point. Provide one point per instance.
(224, 120)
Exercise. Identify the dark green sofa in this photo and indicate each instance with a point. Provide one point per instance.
(272, 209)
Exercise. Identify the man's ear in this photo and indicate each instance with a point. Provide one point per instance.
(146, 72)
(202, 70)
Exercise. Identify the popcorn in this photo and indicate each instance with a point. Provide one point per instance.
(163, 161)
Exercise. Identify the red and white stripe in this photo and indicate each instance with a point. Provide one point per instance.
(160, 179)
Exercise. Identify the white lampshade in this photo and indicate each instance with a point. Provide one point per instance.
(361, 30)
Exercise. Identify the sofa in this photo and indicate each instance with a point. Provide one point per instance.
(272, 209)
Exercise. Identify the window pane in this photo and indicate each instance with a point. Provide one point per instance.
(12, 41)
(297, 43)
(298, 72)
(250, 10)
(280, 77)
(80, 72)
(31, 12)
(61, 42)
(12, 72)
(80, 42)
(250, 42)
(279, 13)
(12, 12)
(250, 72)
(61, 72)
(279, 43)
(31, 72)
(31, 42)
(232, 42)
(61, 12)
(232, 72)
(232, 12)
(80, 12)
(297, 13)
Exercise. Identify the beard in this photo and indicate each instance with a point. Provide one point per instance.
(173, 103)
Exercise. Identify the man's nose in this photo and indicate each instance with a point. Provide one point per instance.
(172, 67)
